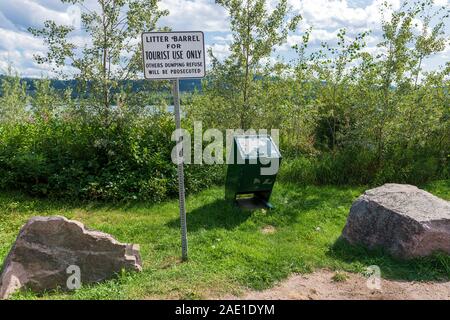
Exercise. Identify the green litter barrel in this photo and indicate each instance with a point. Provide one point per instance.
(252, 169)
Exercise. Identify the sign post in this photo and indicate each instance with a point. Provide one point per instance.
(174, 56)
(181, 195)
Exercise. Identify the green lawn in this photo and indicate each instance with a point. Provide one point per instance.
(227, 250)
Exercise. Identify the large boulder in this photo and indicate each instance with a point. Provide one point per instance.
(403, 219)
(49, 250)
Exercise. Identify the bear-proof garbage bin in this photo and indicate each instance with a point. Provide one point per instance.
(252, 170)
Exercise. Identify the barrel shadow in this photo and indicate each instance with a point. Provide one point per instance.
(219, 214)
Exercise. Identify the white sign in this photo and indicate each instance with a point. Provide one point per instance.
(173, 55)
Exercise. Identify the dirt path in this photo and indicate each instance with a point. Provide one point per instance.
(320, 285)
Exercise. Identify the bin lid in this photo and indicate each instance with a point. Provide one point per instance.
(257, 146)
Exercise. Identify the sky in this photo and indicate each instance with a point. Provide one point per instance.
(326, 17)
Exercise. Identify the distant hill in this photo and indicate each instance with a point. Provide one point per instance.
(188, 85)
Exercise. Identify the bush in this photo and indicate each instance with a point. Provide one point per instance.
(361, 167)
(66, 156)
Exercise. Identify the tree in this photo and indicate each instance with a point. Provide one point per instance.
(13, 99)
(432, 38)
(399, 68)
(114, 54)
(333, 67)
(46, 100)
(256, 33)
(392, 66)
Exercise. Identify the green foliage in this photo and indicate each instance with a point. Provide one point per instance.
(13, 99)
(70, 155)
(345, 115)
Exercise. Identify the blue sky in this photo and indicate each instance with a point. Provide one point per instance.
(17, 46)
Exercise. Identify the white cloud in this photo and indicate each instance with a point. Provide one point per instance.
(220, 51)
(12, 40)
(325, 16)
(202, 15)
(18, 49)
(319, 35)
(446, 52)
(335, 13)
(227, 38)
(23, 63)
(25, 13)
(440, 2)
(270, 61)
(5, 23)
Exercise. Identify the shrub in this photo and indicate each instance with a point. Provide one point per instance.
(65, 156)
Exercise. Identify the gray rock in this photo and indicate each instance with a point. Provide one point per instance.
(47, 246)
(406, 221)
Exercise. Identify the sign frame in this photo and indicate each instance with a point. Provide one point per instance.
(174, 78)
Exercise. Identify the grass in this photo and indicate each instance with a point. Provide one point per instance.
(228, 250)
(339, 277)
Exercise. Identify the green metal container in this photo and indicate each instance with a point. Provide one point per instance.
(252, 170)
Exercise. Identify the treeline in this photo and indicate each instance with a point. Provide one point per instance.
(51, 144)
(31, 85)
(346, 115)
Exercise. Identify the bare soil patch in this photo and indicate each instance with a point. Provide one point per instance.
(268, 229)
(320, 285)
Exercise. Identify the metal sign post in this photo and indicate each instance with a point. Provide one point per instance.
(176, 103)
(174, 56)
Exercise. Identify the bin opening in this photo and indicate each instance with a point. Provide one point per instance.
(256, 200)
(245, 196)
